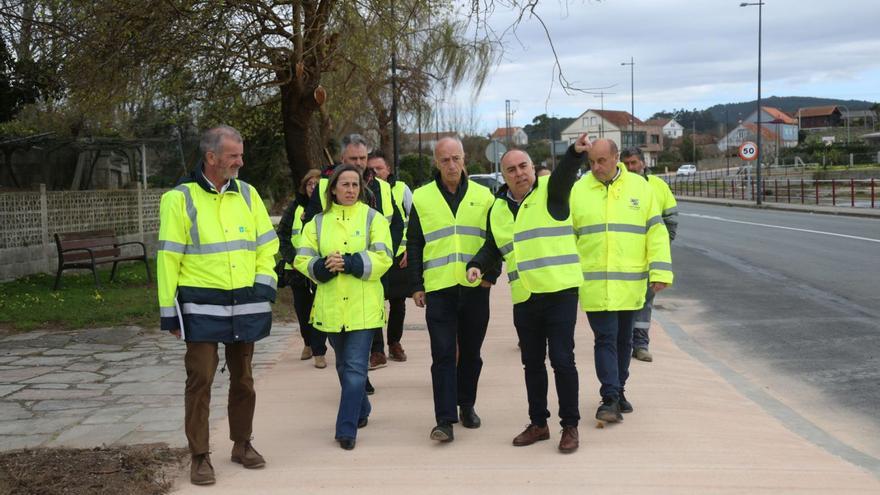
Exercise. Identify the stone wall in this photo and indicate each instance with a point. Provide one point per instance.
(29, 220)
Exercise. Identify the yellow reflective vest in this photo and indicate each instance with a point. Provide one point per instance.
(451, 241)
(403, 199)
(386, 208)
(216, 262)
(621, 240)
(296, 231)
(345, 302)
(540, 252)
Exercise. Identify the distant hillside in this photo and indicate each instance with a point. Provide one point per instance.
(788, 104)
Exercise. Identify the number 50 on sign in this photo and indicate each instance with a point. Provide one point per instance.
(748, 151)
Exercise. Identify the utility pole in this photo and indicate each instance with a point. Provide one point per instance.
(507, 123)
(726, 139)
(601, 97)
(632, 100)
(694, 139)
(395, 136)
(759, 188)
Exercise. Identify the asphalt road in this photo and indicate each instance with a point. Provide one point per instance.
(791, 301)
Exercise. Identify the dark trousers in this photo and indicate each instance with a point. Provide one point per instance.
(612, 348)
(458, 315)
(396, 314)
(303, 298)
(643, 322)
(201, 364)
(548, 320)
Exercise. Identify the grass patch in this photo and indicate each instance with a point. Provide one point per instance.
(135, 470)
(30, 303)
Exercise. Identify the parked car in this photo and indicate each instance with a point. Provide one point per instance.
(493, 181)
(687, 169)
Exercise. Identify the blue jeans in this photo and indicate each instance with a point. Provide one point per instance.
(612, 349)
(352, 357)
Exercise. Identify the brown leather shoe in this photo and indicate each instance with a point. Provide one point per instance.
(395, 352)
(377, 360)
(531, 434)
(245, 454)
(569, 441)
(201, 472)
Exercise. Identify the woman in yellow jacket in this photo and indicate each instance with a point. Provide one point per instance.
(346, 249)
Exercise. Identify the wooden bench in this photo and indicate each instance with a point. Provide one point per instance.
(92, 248)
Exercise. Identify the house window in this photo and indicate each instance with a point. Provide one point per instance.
(655, 139)
(593, 121)
(631, 139)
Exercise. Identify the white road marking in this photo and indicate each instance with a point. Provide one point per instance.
(711, 217)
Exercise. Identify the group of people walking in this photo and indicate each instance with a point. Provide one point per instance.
(354, 237)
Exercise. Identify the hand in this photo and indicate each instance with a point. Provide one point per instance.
(658, 286)
(419, 298)
(583, 144)
(485, 284)
(335, 262)
(474, 274)
(403, 261)
(176, 333)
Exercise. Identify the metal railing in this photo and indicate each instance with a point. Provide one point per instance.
(853, 193)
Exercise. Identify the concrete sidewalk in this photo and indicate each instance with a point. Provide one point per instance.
(691, 432)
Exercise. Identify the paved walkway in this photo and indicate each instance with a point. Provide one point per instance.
(101, 386)
(691, 432)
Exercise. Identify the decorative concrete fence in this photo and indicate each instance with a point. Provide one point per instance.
(29, 220)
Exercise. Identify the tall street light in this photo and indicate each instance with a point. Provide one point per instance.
(632, 101)
(760, 189)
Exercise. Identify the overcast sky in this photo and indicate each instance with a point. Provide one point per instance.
(688, 54)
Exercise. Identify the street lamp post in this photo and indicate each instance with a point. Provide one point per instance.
(846, 121)
(632, 100)
(759, 189)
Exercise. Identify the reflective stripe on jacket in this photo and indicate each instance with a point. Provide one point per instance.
(621, 240)
(216, 260)
(345, 302)
(539, 251)
(451, 241)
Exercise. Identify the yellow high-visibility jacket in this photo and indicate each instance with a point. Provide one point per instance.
(621, 239)
(403, 199)
(451, 241)
(216, 262)
(540, 252)
(296, 231)
(668, 205)
(347, 302)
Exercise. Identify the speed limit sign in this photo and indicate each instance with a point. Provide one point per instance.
(748, 151)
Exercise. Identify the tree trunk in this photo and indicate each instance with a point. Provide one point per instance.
(297, 111)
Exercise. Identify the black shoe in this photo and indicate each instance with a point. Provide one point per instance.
(369, 388)
(469, 418)
(346, 443)
(625, 405)
(363, 422)
(609, 411)
(442, 432)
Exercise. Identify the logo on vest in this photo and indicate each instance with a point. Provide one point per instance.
(634, 203)
(242, 229)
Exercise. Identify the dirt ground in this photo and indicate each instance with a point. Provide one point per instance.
(148, 469)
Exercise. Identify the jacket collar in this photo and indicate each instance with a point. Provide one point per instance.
(198, 176)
